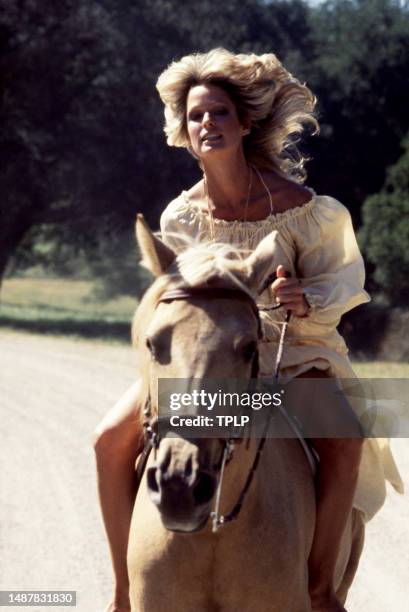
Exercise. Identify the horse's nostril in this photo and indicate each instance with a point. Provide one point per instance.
(189, 467)
(204, 489)
(165, 463)
(151, 480)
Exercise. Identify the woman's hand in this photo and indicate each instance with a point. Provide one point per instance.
(288, 292)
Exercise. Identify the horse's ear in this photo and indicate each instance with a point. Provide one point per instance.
(261, 264)
(156, 256)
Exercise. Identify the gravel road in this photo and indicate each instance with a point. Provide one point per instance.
(53, 391)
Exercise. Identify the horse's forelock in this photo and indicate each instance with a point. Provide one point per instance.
(194, 267)
(210, 261)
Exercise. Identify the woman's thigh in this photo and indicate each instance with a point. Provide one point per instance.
(316, 400)
(123, 421)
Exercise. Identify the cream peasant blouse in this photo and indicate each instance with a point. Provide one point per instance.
(315, 242)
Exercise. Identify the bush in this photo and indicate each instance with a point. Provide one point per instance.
(384, 236)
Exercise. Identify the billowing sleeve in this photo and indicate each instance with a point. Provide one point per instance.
(173, 226)
(329, 262)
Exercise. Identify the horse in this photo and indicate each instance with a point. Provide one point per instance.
(198, 321)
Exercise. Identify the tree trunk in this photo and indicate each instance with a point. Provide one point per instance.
(12, 231)
(3, 265)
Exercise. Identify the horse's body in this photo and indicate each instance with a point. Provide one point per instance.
(255, 564)
(258, 562)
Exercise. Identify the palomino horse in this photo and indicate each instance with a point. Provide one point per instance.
(257, 563)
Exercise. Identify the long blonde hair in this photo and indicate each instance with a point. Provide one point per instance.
(277, 105)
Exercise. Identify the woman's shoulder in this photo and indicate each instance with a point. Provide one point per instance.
(185, 207)
(291, 198)
(176, 207)
(179, 215)
(286, 193)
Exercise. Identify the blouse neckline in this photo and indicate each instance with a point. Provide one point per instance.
(279, 217)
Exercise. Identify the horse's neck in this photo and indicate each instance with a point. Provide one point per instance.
(282, 475)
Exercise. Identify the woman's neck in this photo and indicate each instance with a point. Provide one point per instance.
(227, 183)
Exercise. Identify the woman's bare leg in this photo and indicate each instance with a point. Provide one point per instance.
(339, 466)
(118, 442)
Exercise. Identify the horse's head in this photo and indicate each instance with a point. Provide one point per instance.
(192, 337)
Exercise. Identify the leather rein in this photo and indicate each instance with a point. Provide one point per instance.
(150, 424)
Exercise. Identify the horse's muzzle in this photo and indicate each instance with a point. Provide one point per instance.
(183, 496)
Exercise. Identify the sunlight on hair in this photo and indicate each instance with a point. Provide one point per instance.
(277, 104)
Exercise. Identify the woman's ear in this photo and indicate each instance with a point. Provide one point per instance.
(245, 122)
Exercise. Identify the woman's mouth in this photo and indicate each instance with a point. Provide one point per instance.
(211, 137)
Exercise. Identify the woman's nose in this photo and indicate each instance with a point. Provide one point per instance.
(207, 119)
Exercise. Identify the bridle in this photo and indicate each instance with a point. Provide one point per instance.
(151, 431)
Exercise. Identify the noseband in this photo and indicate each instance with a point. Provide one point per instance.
(152, 439)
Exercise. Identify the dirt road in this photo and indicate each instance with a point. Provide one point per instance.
(52, 393)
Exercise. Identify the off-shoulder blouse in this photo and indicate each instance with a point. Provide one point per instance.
(314, 241)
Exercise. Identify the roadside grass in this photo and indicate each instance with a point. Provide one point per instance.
(70, 307)
(380, 369)
(63, 306)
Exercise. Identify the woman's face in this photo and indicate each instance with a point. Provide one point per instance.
(212, 122)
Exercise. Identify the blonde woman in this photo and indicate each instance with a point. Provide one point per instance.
(238, 115)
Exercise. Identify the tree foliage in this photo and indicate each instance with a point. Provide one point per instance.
(359, 74)
(82, 146)
(384, 235)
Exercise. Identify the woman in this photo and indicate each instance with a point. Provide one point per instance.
(238, 115)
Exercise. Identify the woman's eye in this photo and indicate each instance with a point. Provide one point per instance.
(198, 116)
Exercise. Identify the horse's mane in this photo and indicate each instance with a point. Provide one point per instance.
(199, 264)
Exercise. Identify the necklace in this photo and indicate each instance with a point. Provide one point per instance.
(210, 210)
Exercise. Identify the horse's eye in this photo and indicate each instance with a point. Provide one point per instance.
(159, 347)
(249, 349)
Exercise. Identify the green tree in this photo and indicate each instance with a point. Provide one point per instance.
(359, 73)
(384, 235)
(79, 115)
(82, 149)
(82, 146)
